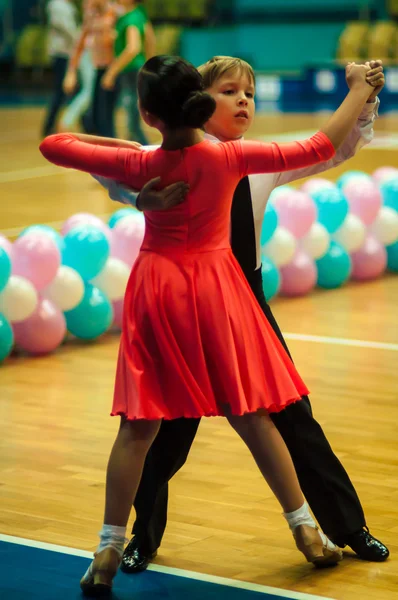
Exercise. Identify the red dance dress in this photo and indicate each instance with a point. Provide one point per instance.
(194, 339)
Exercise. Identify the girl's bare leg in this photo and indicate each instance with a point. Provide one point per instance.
(123, 476)
(275, 463)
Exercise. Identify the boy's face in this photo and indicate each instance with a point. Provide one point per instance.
(234, 95)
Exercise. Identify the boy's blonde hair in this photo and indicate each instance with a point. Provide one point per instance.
(218, 66)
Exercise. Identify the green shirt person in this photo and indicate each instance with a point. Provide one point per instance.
(134, 44)
(131, 44)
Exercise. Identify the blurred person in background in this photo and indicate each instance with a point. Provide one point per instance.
(99, 18)
(84, 67)
(62, 18)
(134, 44)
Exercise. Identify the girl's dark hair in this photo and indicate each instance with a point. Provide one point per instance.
(172, 89)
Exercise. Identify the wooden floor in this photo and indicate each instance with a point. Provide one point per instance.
(223, 520)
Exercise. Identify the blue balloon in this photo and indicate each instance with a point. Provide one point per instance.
(270, 223)
(5, 268)
(92, 317)
(86, 250)
(389, 192)
(271, 278)
(392, 257)
(47, 230)
(334, 268)
(345, 178)
(332, 207)
(119, 214)
(6, 338)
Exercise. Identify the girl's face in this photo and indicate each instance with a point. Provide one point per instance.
(234, 95)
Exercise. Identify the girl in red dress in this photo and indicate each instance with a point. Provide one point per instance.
(194, 341)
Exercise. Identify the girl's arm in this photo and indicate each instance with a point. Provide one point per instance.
(345, 117)
(273, 158)
(116, 159)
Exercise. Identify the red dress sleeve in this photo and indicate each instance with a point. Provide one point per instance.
(66, 150)
(258, 157)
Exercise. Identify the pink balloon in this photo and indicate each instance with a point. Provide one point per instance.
(37, 258)
(6, 245)
(297, 212)
(43, 331)
(384, 174)
(118, 312)
(86, 219)
(369, 261)
(299, 276)
(316, 183)
(364, 199)
(128, 234)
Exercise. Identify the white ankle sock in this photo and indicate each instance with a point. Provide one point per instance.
(113, 536)
(301, 516)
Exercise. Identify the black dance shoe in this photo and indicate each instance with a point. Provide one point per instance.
(134, 560)
(365, 545)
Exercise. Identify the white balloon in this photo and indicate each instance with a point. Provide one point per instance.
(281, 247)
(19, 299)
(66, 290)
(317, 241)
(352, 233)
(113, 278)
(385, 226)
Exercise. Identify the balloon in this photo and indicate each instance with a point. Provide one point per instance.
(364, 199)
(270, 223)
(297, 212)
(45, 230)
(92, 317)
(6, 338)
(332, 208)
(370, 261)
(113, 278)
(86, 250)
(316, 183)
(351, 235)
(385, 227)
(43, 331)
(86, 219)
(66, 290)
(383, 174)
(6, 245)
(128, 234)
(316, 242)
(352, 176)
(5, 268)
(281, 248)
(118, 312)
(392, 257)
(334, 268)
(19, 299)
(271, 278)
(279, 192)
(389, 192)
(120, 214)
(299, 276)
(37, 258)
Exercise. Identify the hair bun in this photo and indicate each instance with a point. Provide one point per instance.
(197, 109)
